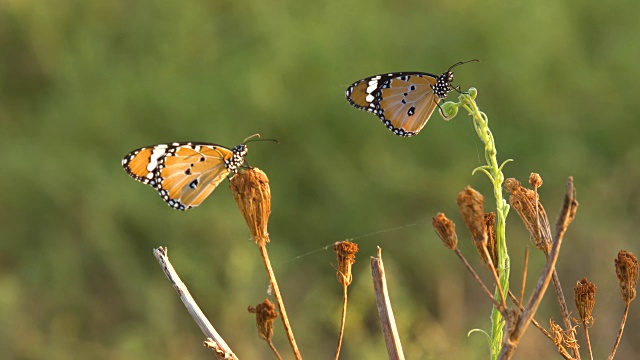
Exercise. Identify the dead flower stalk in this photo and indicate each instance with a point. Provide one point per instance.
(627, 271)
(567, 213)
(585, 297)
(527, 204)
(346, 253)
(251, 191)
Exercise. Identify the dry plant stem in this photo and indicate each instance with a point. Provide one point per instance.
(275, 351)
(279, 301)
(385, 312)
(524, 278)
(503, 304)
(624, 321)
(586, 333)
(221, 348)
(342, 321)
(565, 354)
(564, 310)
(561, 227)
(475, 275)
(511, 340)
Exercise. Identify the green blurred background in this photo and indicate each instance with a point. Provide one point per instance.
(84, 82)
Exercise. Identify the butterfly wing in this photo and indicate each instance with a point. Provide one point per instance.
(184, 174)
(404, 101)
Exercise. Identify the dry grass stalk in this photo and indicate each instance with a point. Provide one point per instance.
(385, 311)
(524, 279)
(214, 340)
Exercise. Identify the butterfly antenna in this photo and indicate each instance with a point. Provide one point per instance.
(462, 62)
(250, 137)
(248, 140)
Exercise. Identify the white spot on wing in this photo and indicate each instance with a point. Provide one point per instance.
(153, 161)
(369, 98)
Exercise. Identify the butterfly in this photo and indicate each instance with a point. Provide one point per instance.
(184, 173)
(404, 101)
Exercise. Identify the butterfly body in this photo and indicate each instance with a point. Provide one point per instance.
(184, 174)
(403, 101)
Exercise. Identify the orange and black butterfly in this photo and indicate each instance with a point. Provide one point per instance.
(404, 101)
(184, 173)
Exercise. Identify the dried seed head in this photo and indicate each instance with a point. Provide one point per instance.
(527, 205)
(627, 271)
(535, 180)
(251, 190)
(557, 332)
(490, 228)
(563, 338)
(346, 252)
(585, 296)
(265, 314)
(446, 230)
(472, 211)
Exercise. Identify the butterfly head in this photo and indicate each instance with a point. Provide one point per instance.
(443, 84)
(237, 160)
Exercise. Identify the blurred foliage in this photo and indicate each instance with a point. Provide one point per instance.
(84, 82)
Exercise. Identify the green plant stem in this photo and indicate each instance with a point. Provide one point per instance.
(494, 172)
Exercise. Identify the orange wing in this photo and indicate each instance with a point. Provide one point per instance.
(403, 101)
(184, 174)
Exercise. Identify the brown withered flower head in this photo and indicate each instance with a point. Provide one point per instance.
(535, 180)
(525, 202)
(251, 191)
(627, 272)
(446, 230)
(346, 252)
(470, 205)
(585, 297)
(490, 229)
(265, 314)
